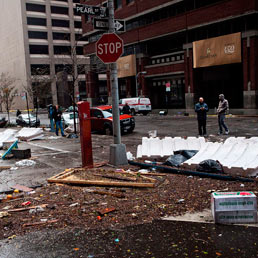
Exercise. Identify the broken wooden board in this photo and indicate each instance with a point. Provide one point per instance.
(76, 177)
(22, 188)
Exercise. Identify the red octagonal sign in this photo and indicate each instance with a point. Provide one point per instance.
(109, 48)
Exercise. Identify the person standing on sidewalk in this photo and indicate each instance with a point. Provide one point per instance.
(51, 117)
(58, 120)
(201, 109)
(221, 111)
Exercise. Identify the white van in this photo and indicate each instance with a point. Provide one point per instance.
(137, 105)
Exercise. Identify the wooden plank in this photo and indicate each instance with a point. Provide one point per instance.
(4, 167)
(117, 177)
(27, 208)
(22, 188)
(40, 223)
(101, 183)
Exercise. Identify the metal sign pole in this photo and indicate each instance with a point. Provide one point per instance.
(117, 150)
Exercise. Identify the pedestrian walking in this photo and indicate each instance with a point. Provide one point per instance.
(18, 112)
(126, 109)
(58, 120)
(201, 108)
(221, 111)
(51, 117)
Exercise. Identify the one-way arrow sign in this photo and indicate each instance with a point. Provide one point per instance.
(102, 24)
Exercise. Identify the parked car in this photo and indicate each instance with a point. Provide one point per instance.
(102, 120)
(23, 120)
(70, 109)
(67, 119)
(137, 105)
(3, 122)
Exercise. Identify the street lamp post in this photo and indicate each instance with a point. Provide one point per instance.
(136, 81)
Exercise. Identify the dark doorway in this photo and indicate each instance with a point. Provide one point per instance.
(225, 79)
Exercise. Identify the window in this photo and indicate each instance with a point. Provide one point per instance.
(40, 69)
(81, 69)
(38, 49)
(79, 37)
(36, 8)
(37, 35)
(61, 36)
(77, 24)
(79, 50)
(60, 23)
(62, 50)
(59, 10)
(118, 4)
(36, 21)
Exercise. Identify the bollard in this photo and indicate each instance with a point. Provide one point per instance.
(85, 133)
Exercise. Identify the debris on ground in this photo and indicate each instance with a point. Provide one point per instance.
(101, 178)
(25, 163)
(30, 134)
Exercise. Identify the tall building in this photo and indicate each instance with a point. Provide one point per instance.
(183, 49)
(37, 39)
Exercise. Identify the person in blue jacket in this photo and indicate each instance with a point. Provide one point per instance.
(51, 117)
(201, 108)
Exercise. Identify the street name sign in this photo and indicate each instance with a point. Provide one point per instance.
(102, 24)
(92, 10)
(109, 48)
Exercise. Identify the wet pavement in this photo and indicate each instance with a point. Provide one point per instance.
(159, 239)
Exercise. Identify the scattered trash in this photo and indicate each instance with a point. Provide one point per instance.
(29, 134)
(117, 240)
(143, 171)
(7, 207)
(210, 165)
(242, 185)
(134, 215)
(74, 204)
(152, 133)
(130, 156)
(32, 192)
(181, 201)
(43, 220)
(26, 203)
(190, 177)
(36, 210)
(76, 249)
(52, 193)
(13, 168)
(54, 137)
(180, 157)
(99, 218)
(4, 214)
(25, 163)
(12, 237)
(106, 211)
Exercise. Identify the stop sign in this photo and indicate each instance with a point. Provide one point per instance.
(109, 48)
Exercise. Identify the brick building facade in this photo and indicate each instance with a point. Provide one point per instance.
(160, 33)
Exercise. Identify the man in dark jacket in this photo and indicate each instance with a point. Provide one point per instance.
(58, 120)
(201, 109)
(126, 109)
(221, 111)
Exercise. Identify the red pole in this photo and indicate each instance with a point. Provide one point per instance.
(85, 133)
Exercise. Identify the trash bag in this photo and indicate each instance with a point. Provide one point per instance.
(179, 157)
(210, 166)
